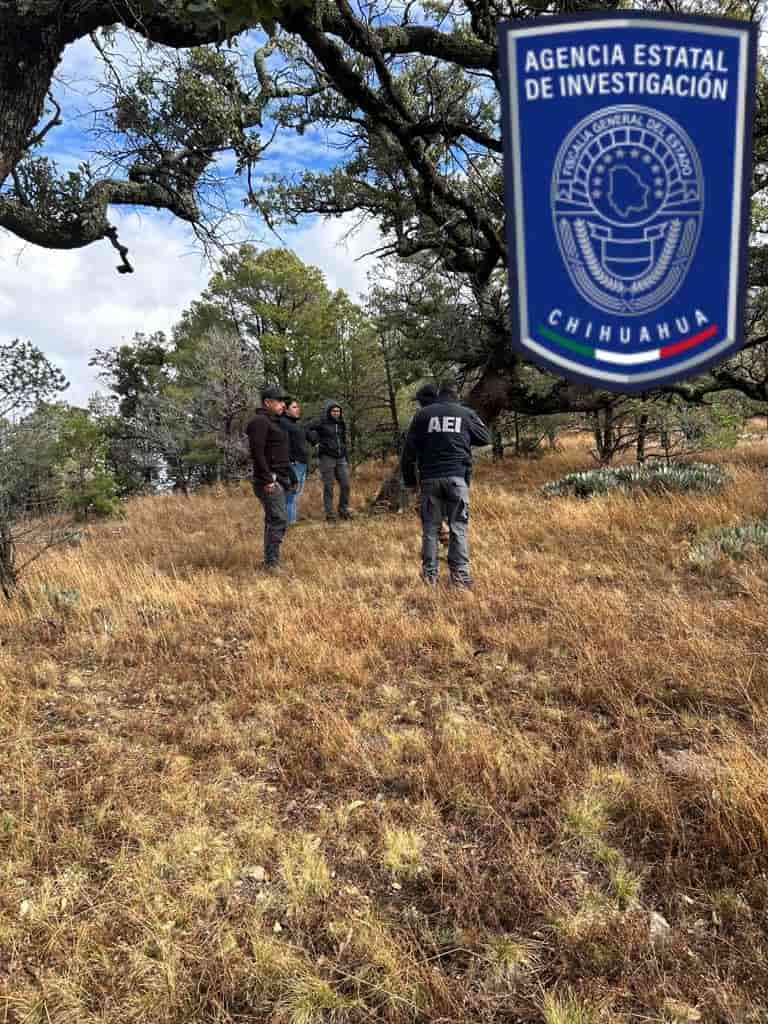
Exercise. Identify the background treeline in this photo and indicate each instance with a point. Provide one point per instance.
(172, 409)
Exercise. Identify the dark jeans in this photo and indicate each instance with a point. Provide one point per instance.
(445, 498)
(335, 469)
(275, 521)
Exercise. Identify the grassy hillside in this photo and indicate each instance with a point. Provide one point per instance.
(340, 796)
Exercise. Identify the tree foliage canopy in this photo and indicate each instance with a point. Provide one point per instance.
(408, 95)
(26, 376)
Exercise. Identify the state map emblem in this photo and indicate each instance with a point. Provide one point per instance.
(627, 206)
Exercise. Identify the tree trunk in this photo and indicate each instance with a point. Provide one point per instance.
(353, 432)
(665, 440)
(642, 431)
(501, 389)
(604, 432)
(391, 394)
(608, 436)
(7, 559)
(29, 55)
(393, 494)
(284, 369)
(497, 441)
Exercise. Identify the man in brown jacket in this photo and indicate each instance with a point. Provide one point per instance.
(273, 474)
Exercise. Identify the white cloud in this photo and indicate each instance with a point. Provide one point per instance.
(70, 303)
(329, 245)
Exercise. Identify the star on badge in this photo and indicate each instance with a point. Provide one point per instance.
(635, 154)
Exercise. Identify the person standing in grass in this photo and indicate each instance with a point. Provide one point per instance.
(439, 445)
(273, 475)
(299, 454)
(329, 433)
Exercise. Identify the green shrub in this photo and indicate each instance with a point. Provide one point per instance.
(94, 494)
(684, 476)
(738, 541)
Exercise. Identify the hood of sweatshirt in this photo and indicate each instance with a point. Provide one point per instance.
(330, 404)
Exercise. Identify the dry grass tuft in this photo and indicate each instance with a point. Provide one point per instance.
(340, 797)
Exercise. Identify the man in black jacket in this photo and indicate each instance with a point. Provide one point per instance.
(440, 440)
(273, 475)
(329, 433)
(299, 454)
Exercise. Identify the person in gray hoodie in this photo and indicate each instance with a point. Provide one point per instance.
(329, 433)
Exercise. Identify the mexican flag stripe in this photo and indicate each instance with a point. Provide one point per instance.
(629, 358)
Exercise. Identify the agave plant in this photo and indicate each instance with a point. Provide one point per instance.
(737, 541)
(683, 476)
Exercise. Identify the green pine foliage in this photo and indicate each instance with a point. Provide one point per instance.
(693, 476)
(93, 494)
(88, 487)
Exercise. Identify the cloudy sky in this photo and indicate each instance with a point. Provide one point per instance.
(71, 303)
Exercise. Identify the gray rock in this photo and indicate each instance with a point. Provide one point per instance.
(659, 928)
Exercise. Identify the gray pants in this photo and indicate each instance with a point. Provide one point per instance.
(334, 469)
(275, 521)
(445, 498)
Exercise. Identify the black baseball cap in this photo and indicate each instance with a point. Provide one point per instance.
(276, 393)
(426, 395)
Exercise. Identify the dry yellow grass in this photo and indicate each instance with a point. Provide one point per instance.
(338, 797)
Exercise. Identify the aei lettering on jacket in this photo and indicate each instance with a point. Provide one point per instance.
(445, 424)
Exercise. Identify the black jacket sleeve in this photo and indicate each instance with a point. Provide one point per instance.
(409, 457)
(478, 432)
(257, 435)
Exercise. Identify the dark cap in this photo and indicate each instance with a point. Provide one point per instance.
(426, 395)
(277, 393)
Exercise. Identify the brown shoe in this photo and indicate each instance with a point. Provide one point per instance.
(462, 582)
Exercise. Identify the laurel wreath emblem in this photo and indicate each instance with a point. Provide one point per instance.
(580, 251)
(599, 274)
(652, 278)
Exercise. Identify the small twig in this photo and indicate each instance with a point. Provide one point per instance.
(124, 267)
(370, 984)
(106, 57)
(53, 123)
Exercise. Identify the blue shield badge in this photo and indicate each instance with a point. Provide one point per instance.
(627, 165)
